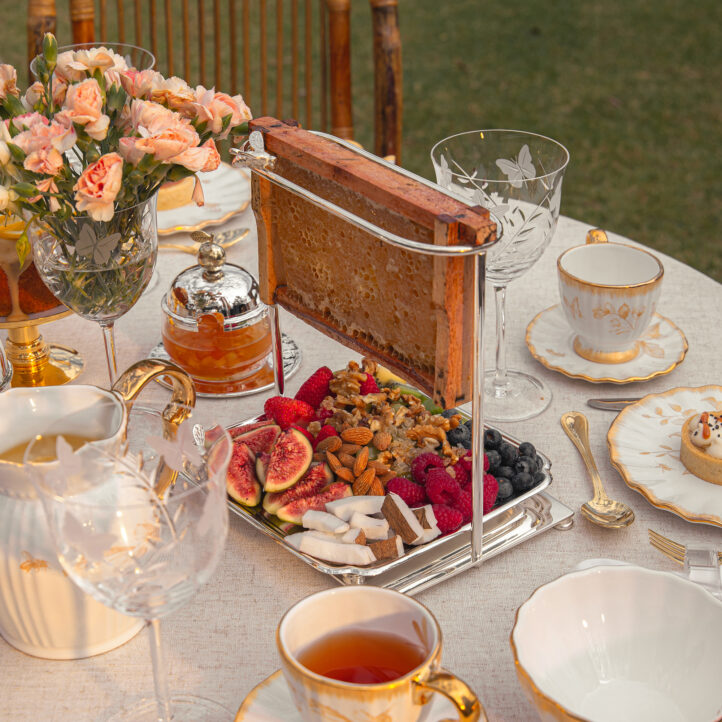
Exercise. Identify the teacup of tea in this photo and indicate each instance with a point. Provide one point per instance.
(609, 293)
(364, 653)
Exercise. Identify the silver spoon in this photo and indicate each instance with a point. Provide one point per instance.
(601, 509)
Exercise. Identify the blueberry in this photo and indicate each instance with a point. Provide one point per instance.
(448, 413)
(539, 462)
(460, 436)
(494, 460)
(469, 423)
(508, 453)
(504, 472)
(525, 464)
(506, 490)
(522, 482)
(539, 477)
(492, 439)
(527, 449)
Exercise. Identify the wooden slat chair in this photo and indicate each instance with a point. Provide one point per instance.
(309, 40)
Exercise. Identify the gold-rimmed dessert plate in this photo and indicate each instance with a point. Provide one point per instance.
(549, 337)
(271, 701)
(227, 193)
(644, 442)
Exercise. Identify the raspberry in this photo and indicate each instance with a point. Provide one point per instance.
(420, 466)
(441, 488)
(369, 386)
(486, 463)
(324, 433)
(285, 411)
(491, 489)
(447, 518)
(463, 504)
(461, 474)
(323, 414)
(315, 389)
(465, 461)
(411, 493)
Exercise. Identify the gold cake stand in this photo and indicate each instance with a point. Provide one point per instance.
(34, 362)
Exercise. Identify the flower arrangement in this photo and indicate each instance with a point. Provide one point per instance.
(94, 136)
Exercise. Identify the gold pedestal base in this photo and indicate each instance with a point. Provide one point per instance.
(36, 363)
(605, 357)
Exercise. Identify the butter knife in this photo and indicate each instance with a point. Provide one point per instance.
(611, 404)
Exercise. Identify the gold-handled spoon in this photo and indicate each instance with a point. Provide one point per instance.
(601, 509)
(227, 239)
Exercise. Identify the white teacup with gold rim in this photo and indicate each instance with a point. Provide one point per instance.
(609, 293)
(368, 622)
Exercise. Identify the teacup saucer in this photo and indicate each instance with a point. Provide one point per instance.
(270, 701)
(549, 338)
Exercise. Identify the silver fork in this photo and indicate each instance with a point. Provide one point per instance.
(701, 564)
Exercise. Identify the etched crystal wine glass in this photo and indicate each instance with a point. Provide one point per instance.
(518, 177)
(142, 527)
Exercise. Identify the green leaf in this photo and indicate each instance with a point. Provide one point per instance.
(14, 105)
(17, 153)
(26, 190)
(22, 247)
(147, 163)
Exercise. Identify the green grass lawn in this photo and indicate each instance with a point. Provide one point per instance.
(632, 87)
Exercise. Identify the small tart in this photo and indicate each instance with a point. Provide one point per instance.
(175, 194)
(695, 458)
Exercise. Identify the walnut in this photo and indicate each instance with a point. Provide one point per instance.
(368, 365)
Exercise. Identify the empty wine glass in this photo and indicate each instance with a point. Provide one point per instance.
(140, 528)
(517, 176)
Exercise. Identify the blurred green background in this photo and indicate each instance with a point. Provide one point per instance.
(633, 88)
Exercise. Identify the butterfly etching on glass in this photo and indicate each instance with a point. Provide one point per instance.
(184, 447)
(100, 249)
(91, 544)
(519, 169)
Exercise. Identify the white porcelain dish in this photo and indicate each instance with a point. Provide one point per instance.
(227, 192)
(621, 644)
(644, 447)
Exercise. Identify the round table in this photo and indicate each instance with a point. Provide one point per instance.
(222, 644)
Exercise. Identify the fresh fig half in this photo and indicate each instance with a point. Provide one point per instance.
(261, 439)
(261, 465)
(245, 428)
(241, 482)
(294, 510)
(316, 478)
(290, 458)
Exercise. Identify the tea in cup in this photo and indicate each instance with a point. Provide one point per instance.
(362, 653)
(609, 293)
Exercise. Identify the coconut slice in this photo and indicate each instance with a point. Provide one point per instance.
(311, 543)
(390, 548)
(427, 519)
(372, 528)
(345, 508)
(323, 521)
(354, 536)
(401, 518)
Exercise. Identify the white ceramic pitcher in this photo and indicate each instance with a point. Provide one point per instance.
(42, 612)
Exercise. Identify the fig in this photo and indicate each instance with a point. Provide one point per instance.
(260, 439)
(241, 482)
(237, 430)
(317, 478)
(290, 458)
(294, 510)
(261, 465)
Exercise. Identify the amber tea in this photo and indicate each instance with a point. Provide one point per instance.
(45, 449)
(362, 656)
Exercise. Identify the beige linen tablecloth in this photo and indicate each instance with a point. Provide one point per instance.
(222, 643)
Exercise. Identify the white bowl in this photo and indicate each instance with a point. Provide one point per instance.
(621, 644)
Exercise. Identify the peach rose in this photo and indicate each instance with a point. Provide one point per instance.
(203, 158)
(211, 107)
(98, 187)
(47, 185)
(28, 120)
(8, 80)
(44, 143)
(170, 142)
(147, 117)
(139, 83)
(79, 64)
(173, 92)
(84, 105)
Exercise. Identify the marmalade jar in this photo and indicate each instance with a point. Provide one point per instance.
(215, 326)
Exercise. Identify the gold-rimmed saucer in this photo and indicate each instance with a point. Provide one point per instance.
(644, 442)
(227, 192)
(663, 347)
(271, 701)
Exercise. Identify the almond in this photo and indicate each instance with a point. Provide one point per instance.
(351, 449)
(382, 439)
(358, 435)
(347, 460)
(380, 467)
(330, 443)
(377, 488)
(361, 461)
(362, 485)
(386, 478)
(318, 456)
(333, 462)
(343, 473)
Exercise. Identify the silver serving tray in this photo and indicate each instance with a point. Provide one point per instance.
(423, 566)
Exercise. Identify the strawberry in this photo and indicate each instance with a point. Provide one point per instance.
(285, 411)
(315, 389)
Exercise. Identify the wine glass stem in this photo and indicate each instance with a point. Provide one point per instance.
(500, 377)
(160, 678)
(109, 339)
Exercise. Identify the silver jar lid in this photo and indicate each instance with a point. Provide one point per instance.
(214, 286)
